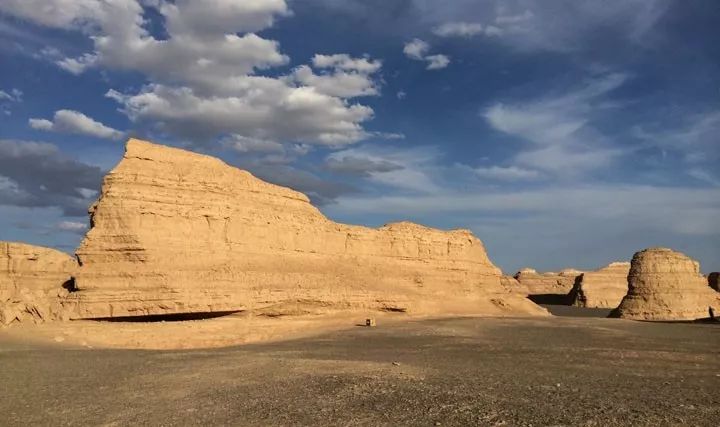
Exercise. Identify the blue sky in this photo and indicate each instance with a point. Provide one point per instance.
(563, 133)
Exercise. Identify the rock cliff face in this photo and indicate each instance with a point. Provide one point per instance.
(34, 282)
(547, 283)
(603, 288)
(178, 232)
(666, 285)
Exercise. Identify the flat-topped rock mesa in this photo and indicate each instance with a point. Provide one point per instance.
(179, 232)
(602, 288)
(34, 282)
(549, 283)
(666, 285)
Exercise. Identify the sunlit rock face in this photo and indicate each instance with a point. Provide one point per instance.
(534, 283)
(177, 232)
(603, 288)
(666, 285)
(34, 283)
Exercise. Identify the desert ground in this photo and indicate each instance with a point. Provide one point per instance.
(571, 369)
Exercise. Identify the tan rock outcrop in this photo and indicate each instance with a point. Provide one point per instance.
(603, 288)
(178, 232)
(547, 283)
(666, 285)
(34, 282)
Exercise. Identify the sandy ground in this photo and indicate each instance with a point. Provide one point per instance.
(467, 371)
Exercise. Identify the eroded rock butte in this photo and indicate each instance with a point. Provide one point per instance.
(666, 285)
(179, 232)
(603, 288)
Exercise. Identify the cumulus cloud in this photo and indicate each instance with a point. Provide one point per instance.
(559, 129)
(69, 121)
(350, 77)
(418, 50)
(35, 174)
(205, 75)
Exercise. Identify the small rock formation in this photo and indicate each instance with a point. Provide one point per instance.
(179, 232)
(714, 280)
(603, 288)
(547, 283)
(666, 285)
(34, 282)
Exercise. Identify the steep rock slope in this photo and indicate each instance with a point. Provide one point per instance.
(177, 232)
(603, 288)
(666, 285)
(34, 282)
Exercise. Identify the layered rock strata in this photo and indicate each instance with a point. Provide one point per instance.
(535, 283)
(178, 232)
(603, 288)
(666, 285)
(34, 283)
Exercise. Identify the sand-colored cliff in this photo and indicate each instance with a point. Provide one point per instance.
(34, 282)
(666, 285)
(603, 288)
(177, 232)
(534, 283)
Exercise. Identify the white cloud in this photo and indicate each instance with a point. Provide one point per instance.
(514, 19)
(408, 169)
(458, 29)
(350, 77)
(346, 62)
(510, 173)
(401, 94)
(559, 128)
(72, 226)
(541, 25)
(14, 95)
(69, 121)
(466, 29)
(205, 75)
(417, 49)
(436, 62)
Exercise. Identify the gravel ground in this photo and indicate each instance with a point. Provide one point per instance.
(471, 371)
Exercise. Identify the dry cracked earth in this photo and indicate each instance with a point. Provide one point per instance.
(562, 371)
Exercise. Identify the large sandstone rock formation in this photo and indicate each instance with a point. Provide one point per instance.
(666, 285)
(34, 283)
(177, 232)
(603, 288)
(535, 283)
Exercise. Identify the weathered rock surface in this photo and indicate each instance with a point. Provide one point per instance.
(34, 283)
(666, 285)
(535, 283)
(177, 232)
(603, 288)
